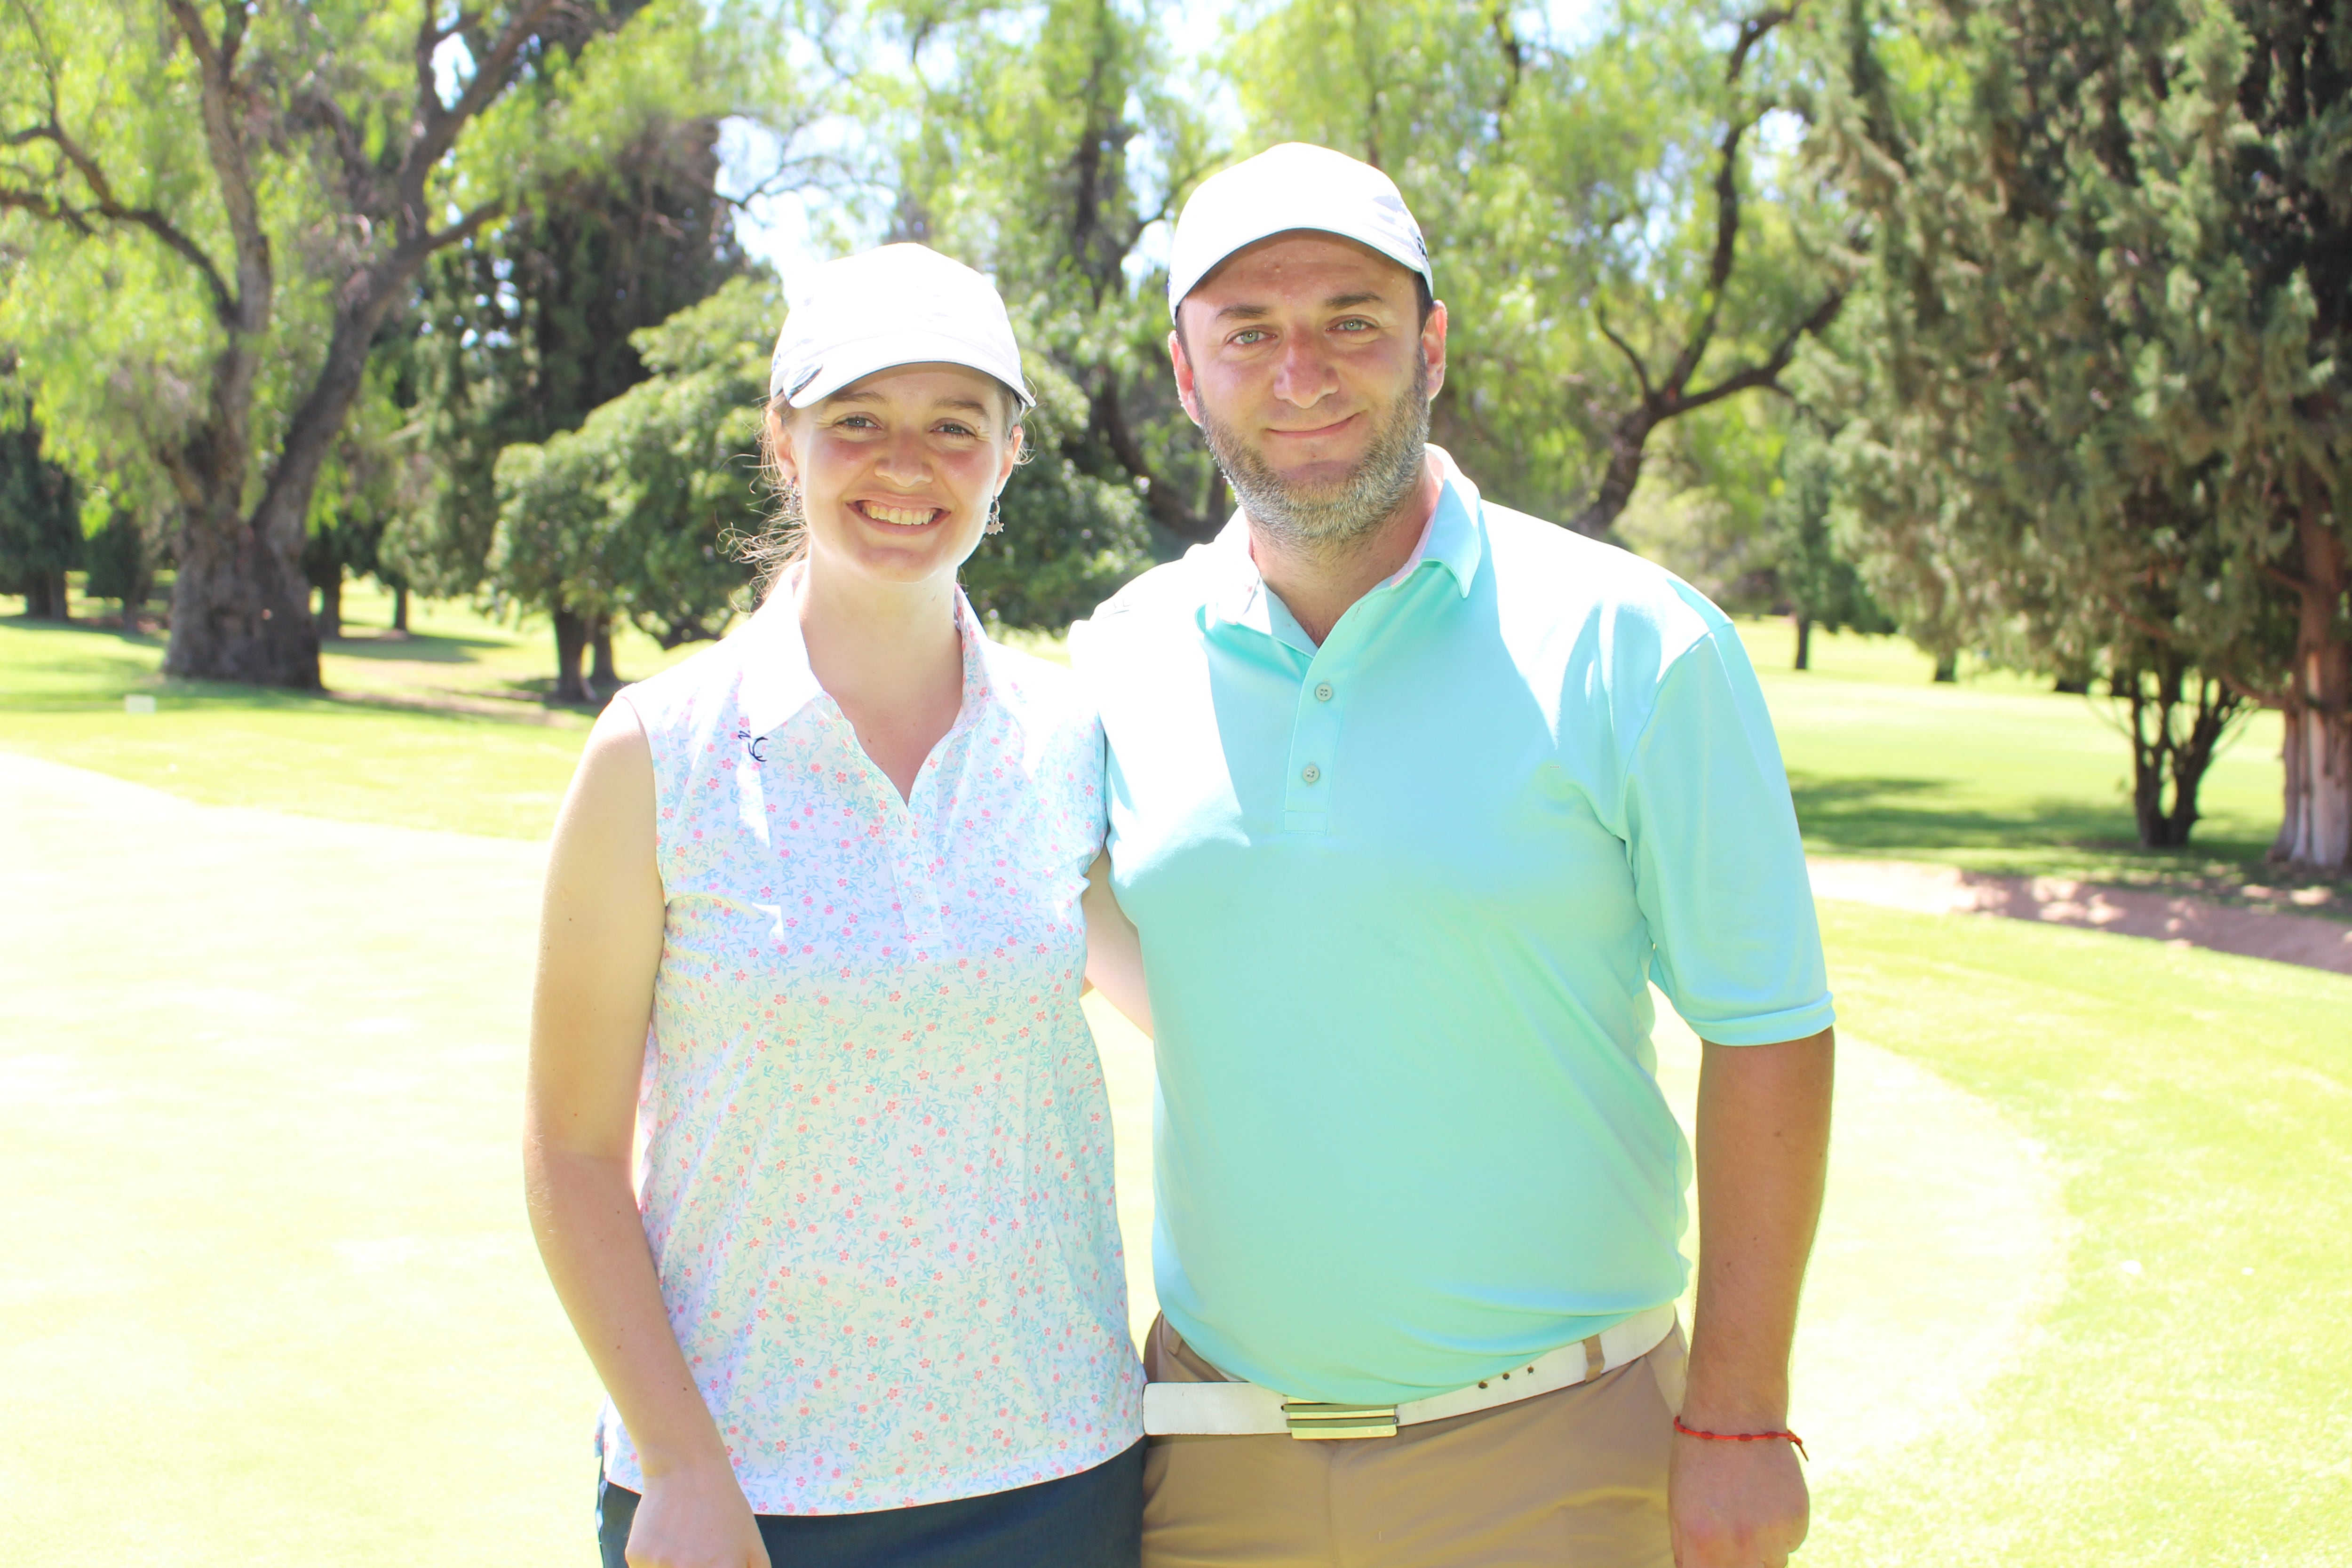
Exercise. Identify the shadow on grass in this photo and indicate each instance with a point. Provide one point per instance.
(420, 647)
(1897, 818)
(1874, 816)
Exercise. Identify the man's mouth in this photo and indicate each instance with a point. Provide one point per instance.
(1320, 430)
(897, 516)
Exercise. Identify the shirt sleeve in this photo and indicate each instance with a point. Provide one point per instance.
(1718, 867)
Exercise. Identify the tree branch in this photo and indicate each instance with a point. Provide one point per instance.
(1767, 375)
(1719, 265)
(1752, 31)
(106, 205)
(1160, 500)
(249, 307)
(439, 125)
(1641, 371)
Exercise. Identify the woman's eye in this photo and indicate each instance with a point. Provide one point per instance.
(856, 422)
(951, 428)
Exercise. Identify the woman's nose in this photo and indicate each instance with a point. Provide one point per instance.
(903, 461)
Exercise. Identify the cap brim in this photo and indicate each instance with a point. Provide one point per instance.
(856, 361)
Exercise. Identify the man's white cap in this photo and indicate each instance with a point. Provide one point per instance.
(1294, 186)
(902, 304)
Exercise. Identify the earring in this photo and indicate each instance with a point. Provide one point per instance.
(995, 523)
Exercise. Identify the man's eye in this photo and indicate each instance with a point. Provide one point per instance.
(1353, 324)
(1247, 337)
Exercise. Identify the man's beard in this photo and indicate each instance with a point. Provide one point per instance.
(1331, 517)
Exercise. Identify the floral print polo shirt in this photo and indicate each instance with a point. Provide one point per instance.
(877, 1170)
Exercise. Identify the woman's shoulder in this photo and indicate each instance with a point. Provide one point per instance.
(694, 692)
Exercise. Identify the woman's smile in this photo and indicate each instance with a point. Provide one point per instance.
(897, 515)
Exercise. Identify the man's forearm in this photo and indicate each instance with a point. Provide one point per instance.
(1762, 1152)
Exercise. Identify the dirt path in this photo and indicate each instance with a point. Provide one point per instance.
(2313, 942)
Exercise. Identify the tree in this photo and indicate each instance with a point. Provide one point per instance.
(260, 186)
(523, 330)
(1608, 218)
(1814, 573)
(122, 558)
(634, 514)
(2105, 422)
(40, 515)
(1041, 143)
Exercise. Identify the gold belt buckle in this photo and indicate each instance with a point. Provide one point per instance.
(1312, 1419)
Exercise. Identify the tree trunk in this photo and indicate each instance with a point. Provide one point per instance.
(572, 635)
(603, 678)
(1948, 667)
(241, 611)
(2179, 717)
(1804, 639)
(2317, 833)
(331, 607)
(45, 597)
(400, 611)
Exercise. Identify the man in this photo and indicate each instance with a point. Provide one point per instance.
(1411, 796)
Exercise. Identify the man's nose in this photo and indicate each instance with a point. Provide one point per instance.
(1304, 376)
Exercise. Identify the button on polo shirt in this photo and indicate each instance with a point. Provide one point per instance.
(1400, 897)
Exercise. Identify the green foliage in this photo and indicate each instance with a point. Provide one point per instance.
(122, 563)
(633, 513)
(520, 331)
(2102, 366)
(1820, 582)
(40, 515)
(1041, 143)
(1573, 190)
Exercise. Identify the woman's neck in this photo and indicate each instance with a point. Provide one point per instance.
(890, 656)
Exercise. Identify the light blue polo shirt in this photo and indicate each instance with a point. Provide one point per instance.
(1400, 899)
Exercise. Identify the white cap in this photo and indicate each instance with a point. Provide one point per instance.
(1294, 186)
(902, 304)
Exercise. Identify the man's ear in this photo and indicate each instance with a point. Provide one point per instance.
(1433, 346)
(1185, 393)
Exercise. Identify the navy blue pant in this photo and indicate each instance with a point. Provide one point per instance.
(1091, 1519)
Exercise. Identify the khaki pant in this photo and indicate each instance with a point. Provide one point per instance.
(1573, 1478)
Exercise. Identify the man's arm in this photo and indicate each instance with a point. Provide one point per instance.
(1762, 1151)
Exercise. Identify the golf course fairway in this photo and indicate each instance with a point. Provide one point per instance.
(2078, 1297)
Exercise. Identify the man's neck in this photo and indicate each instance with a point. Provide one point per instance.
(1318, 583)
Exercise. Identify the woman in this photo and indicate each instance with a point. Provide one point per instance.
(812, 911)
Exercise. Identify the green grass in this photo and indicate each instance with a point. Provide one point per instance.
(2197, 1109)
(448, 729)
(1996, 773)
(271, 1301)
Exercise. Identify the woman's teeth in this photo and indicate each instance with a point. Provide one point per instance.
(899, 516)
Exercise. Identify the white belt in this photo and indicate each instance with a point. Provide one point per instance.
(1228, 1409)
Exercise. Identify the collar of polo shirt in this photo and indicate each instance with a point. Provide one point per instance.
(777, 680)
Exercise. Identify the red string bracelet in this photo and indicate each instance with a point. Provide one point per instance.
(1742, 1437)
